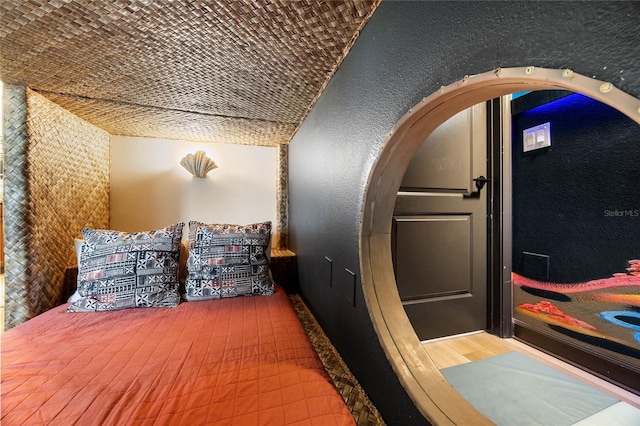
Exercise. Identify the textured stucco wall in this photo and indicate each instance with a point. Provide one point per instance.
(407, 51)
(576, 201)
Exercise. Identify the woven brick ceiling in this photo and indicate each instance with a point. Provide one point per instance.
(222, 71)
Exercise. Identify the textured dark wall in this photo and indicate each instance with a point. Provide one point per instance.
(578, 200)
(407, 51)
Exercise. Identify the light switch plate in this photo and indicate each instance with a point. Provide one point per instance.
(536, 137)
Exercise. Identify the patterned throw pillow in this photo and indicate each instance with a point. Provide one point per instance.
(119, 270)
(228, 260)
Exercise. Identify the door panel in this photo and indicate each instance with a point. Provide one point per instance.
(440, 230)
(433, 237)
(445, 160)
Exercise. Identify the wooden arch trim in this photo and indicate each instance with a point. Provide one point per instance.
(433, 395)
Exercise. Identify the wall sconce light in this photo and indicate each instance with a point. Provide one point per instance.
(198, 164)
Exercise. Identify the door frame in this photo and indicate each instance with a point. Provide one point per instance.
(499, 233)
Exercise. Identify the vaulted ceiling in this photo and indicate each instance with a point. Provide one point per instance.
(227, 71)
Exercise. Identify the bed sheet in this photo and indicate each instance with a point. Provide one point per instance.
(238, 361)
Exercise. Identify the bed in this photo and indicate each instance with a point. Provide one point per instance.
(242, 360)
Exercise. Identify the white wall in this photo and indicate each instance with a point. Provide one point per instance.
(150, 190)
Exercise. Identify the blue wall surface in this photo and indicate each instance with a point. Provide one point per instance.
(407, 51)
(577, 201)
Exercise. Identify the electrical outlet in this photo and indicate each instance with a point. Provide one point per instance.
(536, 137)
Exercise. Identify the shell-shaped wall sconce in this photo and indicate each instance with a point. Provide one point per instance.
(198, 164)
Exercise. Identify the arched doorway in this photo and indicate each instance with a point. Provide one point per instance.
(423, 382)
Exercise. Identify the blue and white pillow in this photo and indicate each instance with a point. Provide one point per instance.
(119, 270)
(228, 260)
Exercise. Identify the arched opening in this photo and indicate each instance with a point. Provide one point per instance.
(434, 397)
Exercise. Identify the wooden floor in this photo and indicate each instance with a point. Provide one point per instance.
(456, 350)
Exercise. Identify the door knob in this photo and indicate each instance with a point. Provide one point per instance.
(480, 181)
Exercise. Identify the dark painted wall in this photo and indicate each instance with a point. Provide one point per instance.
(407, 51)
(577, 201)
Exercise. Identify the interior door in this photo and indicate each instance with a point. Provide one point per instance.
(439, 232)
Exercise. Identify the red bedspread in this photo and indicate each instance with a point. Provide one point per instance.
(240, 361)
